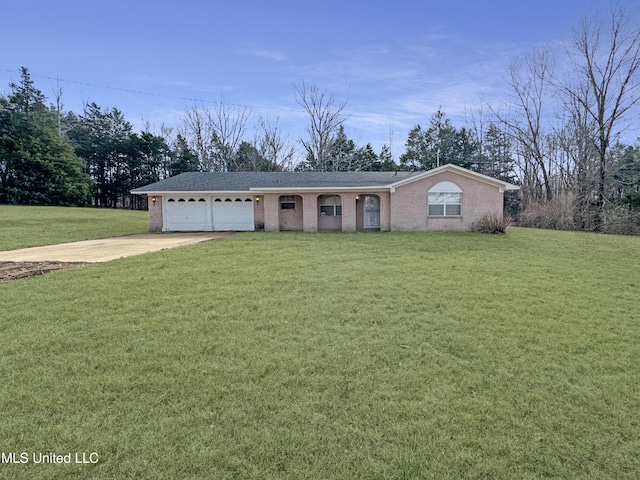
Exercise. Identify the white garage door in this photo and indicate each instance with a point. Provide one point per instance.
(186, 214)
(233, 213)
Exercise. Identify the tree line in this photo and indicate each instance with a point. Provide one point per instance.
(51, 157)
(558, 138)
(565, 120)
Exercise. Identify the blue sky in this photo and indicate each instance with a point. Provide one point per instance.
(393, 62)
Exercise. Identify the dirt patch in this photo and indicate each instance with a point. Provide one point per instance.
(15, 270)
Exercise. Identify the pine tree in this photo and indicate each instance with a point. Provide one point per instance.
(37, 165)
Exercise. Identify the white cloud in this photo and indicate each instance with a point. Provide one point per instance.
(258, 51)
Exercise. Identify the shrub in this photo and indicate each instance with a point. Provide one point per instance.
(555, 215)
(492, 223)
(565, 213)
(621, 220)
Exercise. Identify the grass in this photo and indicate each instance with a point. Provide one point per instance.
(22, 227)
(332, 356)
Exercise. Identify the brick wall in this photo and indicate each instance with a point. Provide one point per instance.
(405, 209)
(385, 211)
(409, 204)
(155, 214)
(306, 216)
(348, 212)
(309, 212)
(291, 219)
(271, 206)
(258, 211)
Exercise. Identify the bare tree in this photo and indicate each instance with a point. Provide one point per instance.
(325, 119)
(607, 57)
(274, 145)
(200, 137)
(229, 124)
(215, 135)
(530, 84)
(580, 165)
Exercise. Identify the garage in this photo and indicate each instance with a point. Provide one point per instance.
(196, 214)
(186, 214)
(232, 213)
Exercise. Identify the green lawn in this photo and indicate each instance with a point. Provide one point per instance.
(332, 356)
(22, 226)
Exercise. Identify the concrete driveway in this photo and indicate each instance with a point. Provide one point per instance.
(105, 249)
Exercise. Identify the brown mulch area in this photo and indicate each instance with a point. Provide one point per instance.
(15, 270)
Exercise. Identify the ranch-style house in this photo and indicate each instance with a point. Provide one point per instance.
(444, 198)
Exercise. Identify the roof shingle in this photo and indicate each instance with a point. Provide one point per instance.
(244, 181)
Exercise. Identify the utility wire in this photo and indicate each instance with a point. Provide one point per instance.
(199, 100)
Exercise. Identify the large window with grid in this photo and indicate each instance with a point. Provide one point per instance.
(445, 200)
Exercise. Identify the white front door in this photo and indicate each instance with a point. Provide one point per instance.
(371, 211)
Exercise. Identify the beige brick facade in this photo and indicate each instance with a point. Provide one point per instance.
(271, 206)
(409, 204)
(155, 213)
(258, 212)
(306, 215)
(291, 219)
(403, 205)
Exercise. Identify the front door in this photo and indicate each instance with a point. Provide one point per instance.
(371, 211)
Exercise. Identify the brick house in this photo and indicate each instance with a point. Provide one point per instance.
(445, 198)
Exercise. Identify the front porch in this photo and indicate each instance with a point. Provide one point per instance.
(325, 211)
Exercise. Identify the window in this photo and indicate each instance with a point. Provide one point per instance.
(330, 205)
(287, 202)
(445, 200)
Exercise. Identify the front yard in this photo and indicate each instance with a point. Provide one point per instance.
(332, 356)
(29, 226)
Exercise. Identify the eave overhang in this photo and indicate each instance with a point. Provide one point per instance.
(502, 186)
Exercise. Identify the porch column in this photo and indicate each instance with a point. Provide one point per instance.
(385, 211)
(155, 213)
(309, 212)
(349, 212)
(271, 204)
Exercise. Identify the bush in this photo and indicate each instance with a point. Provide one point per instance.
(621, 220)
(564, 213)
(492, 223)
(555, 215)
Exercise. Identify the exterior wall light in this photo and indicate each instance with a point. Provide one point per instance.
(153, 199)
